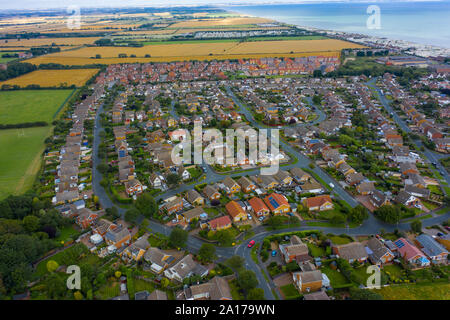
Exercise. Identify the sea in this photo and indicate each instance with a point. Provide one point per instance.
(416, 21)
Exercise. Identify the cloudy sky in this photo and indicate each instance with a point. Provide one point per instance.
(41, 4)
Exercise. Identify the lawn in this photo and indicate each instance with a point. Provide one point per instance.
(30, 105)
(67, 233)
(443, 210)
(418, 291)
(393, 270)
(289, 291)
(108, 291)
(6, 60)
(336, 278)
(340, 240)
(141, 285)
(315, 250)
(22, 159)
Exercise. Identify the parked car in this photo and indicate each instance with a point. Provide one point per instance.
(261, 218)
(249, 216)
(331, 184)
(251, 243)
(274, 253)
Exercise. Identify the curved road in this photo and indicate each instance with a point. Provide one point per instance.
(369, 226)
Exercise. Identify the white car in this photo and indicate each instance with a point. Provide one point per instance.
(249, 216)
(331, 184)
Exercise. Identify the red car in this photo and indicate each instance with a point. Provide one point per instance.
(251, 243)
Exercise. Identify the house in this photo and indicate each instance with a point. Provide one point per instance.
(418, 192)
(378, 199)
(434, 133)
(445, 241)
(215, 289)
(220, 223)
(310, 186)
(277, 203)
(133, 187)
(158, 259)
(433, 249)
(190, 215)
(172, 205)
(235, 211)
(194, 198)
(183, 173)
(366, 187)
(211, 193)
(407, 168)
(308, 281)
(378, 253)
(354, 178)
(295, 251)
(258, 207)
(353, 251)
(156, 180)
(231, 186)
(319, 295)
(265, 182)
(319, 203)
(246, 184)
(406, 199)
(118, 237)
(86, 218)
(283, 177)
(411, 253)
(178, 135)
(416, 180)
(157, 295)
(346, 169)
(136, 250)
(299, 175)
(185, 268)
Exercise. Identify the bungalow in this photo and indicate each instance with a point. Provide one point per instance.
(136, 250)
(231, 186)
(406, 199)
(265, 182)
(258, 207)
(346, 169)
(185, 268)
(418, 192)
(220, 223)
(378, 253)
(319, 203)
(246, 184)
(86, 218)
(194, 197)
(300, 175)
(158, 259)
(215, 289)
(277, 203)
(416, 180)
(407, 168)
(156, 180)
(354, 178)
(411, 253)
(178, 135)
(366, 187)
(190, 215)
(157, 295)
(353, 251)
(295, 251)
(235, 211)
(434, 250)
(283, 177)
(211, 193)
(434, 133)
(378, 199)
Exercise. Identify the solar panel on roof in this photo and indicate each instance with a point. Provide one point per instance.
(399, 243)
(273, 202)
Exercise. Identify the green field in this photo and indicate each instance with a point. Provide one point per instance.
(418, 291)
(6, 60)
(21, 158)
(30, 105)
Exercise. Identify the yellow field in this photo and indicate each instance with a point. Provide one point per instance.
(48, 42)
(84, 61)
(195, 51)
(51, 78)
(219, 22)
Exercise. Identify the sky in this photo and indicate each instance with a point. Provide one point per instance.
(44, 4)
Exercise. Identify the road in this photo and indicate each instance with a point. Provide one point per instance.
(430, 156)
(370, 226)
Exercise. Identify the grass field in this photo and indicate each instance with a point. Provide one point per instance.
(30, 105)
(21, 158)
(48, 42)
(434, 291)
(53, 78)
(5, 60)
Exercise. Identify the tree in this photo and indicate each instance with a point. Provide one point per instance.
(207, 252)
(416, 226)
(117, 274)
(132, 215)
(275, 221)
(178, 237)
(255, 294)
(113, 212)
(357, 214)
(247, 280)
(31, 223)
(388, 213)
(103, 168)
(173, 179)
(164, 282)
(147, 205)
(224, 236)
(317, 99)
(52, 265)
(235, 262)
(78, 295)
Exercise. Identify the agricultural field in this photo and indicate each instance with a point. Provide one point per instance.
(22, 159)
(21, 106)
(417, 291)
(48, 42)
(53, 78)
(197, 51)
(5, 60)
(220, 22)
